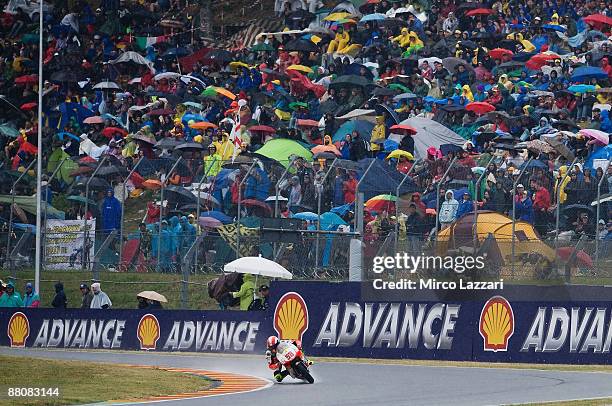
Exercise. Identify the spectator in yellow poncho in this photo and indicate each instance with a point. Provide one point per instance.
(403, 39)
(561, 189)
(378, 133)
(467, 93)
(212, 161)
(225, 148)
(414, 43)
(339, 42)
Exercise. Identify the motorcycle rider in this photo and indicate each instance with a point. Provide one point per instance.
(272, 344)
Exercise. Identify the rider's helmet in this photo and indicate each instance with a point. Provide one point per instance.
(272, 342)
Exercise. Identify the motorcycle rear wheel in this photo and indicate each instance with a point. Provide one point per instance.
(303, 372)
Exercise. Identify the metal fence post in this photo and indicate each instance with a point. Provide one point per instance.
(277, 186)
(198, 209)
(359, 210)
(319, 211)
(558, 210)
(397, 191)
(45, 210)
(438, 198)
(123, 209)
(161, 211)
(240, 206)
(514, 210)
(475, 225)
(85, 231)
(597, 217)
(10, 225)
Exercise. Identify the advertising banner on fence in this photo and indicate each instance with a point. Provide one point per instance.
(65, 243)
(195, 331)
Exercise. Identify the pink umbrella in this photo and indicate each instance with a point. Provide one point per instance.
(599, 136)
(94, 120)
(209, 222)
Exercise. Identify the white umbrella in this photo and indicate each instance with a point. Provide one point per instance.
(273, 199)
(356, 113)
(153, 295)
(258, 266)
(167, 75)
(107, 86)
(135, 80)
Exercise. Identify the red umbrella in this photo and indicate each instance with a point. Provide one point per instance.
(598, 19)
(93, 120)
(28, 106)
(137, 179)
(479, 12)
(480, 108)
(499, 53)
(537, 61)
(87, 160)
(109, 132)
(257, 204)
(26, 79)
(307, 123)
(263, 128)
(582, 257)
(404, 128)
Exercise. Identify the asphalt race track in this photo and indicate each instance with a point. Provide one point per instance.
(367, 384)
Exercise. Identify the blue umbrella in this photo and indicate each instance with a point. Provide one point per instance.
(344, 209)
(61, 136)
(588, 72)
(364, 128)
(372, 17)
(581, 88)
(222, 217)
(331, 221)
(306, 216)
(176, 52)
(355, 69)
(554, 27)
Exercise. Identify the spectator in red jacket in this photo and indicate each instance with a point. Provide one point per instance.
(541, 204)
(349, 186)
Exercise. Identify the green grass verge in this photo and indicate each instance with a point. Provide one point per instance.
(88, 382)
(121, 287)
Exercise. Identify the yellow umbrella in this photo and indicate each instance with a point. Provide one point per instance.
(398, 153)
(337, 16)
(237, 64)
(300, 68)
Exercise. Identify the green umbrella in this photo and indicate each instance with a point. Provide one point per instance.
(82, 199)
(263, 47)
(209, 92)
(297, 105)
(282, 149)
(397, 86)
(8, 131)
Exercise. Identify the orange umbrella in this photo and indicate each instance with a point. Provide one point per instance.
(151, 184)
(225, 92)
(202, 125)
(326, 148)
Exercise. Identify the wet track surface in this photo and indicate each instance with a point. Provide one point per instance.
(367, 384)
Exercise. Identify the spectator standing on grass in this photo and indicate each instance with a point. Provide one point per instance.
(30, 298)
(245, 294)
(59, 300)
(10, 298)
(87, 296)
(100, 299)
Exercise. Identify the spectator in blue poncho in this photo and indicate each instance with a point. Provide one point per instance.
(111, 212)
(465, 206)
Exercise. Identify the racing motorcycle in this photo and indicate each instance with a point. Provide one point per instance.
(294, 361)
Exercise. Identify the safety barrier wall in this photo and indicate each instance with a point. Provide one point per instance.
(530, 324)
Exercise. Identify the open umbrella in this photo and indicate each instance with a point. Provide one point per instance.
(581, 89)
(500, 53)
(282, 149)
(299, 68)
(446, 149)
(209, 222)
(275, 198)
(372, 17)
(382, 202)
(307, 123)
(179, 194)
(167, 143)
(598, 19)
(220, 55)
(256, 204)
(349, 81)
(258, 266)
(480, 108)
(222, 217)
(189, 146)
(82, 200)
(403, 129)
(554, 27)
(110, 132)
(26, 80)
(302, 45)
(112, 171)
(262, 47)
(143, 138)
(28, 106)
(262, 128)
(588, 72)
(398, 153)
(479, 12)
(451, 63)
(95, 184)
(326, 148)
(107, 86)
(152, 295)
(8, 131)
(94, 120)
(537, 61)
(536, 145)
(152, 184)
(582, 258)
(600, 136)
(202, 125)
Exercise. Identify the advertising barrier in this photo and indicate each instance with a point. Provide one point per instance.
(570, 325)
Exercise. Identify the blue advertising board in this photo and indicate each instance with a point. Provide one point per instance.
(529, 324)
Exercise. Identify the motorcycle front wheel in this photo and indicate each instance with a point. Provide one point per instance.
(303, 372)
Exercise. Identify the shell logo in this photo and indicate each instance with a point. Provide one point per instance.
(496, 324)
(148, 332)
(291, 317)
(18, 329)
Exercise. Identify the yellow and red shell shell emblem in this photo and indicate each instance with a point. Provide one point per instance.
(291, 317)
(496, 324)
(148, 332)
(18, 329)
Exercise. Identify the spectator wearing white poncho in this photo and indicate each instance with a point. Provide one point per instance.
(100, 299)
